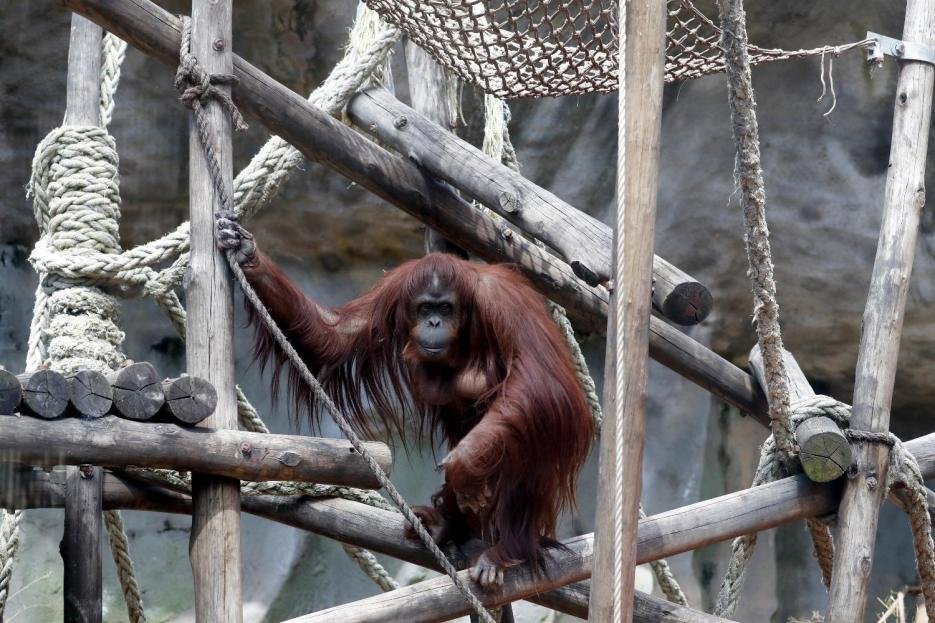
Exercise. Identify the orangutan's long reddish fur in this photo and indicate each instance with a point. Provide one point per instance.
(533, 426)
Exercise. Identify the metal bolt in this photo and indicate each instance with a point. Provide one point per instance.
(218, 45)
(400, 122)
(246, 448)
(87, 471)
(506, 234)
(871, 483)
(899, 49)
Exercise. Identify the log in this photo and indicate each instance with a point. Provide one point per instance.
(620, 478)
(138, 393)
(882, 324)
(81, 545)
(428, 91)
(45, 394)
(660, 536)
(90, 393)
(582, 240)
(824, 451)
(11, 392)
(189, 399)
(116, 442)
(215, 540)
(156, 32)
(82, 586)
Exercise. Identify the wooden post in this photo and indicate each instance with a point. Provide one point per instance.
(642, 60)
(428, 90)
(81, 538)
(883, 319)
(823, 449)
(215, 538)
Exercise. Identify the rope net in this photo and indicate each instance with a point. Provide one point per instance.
(539, 48)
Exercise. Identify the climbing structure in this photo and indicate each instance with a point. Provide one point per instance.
(508, 48)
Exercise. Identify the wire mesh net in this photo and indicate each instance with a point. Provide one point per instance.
(537, 48)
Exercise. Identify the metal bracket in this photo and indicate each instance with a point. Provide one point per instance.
(905, 50)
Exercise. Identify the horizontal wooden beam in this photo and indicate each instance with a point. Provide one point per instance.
(660, 536)
(321, 138)
(582, 240)
(115, 442)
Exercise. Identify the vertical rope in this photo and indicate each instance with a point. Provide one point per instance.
(120, 550)
(618, 380)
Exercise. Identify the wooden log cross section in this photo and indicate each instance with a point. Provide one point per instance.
(114, 442)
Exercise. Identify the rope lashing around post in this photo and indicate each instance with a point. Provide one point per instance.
(904, 471)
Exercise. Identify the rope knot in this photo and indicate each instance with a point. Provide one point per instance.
(196, 86)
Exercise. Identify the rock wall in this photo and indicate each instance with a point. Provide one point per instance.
(824, 179)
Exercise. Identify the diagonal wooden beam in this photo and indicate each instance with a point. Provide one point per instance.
(323, 139)
(883, 319)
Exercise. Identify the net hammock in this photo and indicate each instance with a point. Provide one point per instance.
(539, 48)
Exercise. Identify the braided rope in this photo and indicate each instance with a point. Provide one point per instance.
(9, 544)
(748, 177)
(120, 550)
(113, 51)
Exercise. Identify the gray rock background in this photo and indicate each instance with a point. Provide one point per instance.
(825, 186)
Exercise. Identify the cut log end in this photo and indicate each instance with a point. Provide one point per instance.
(90, 393)
(138, 393)
(11, 392)
(824, 451)
(190, 399)
(687, 304)
(45, 394)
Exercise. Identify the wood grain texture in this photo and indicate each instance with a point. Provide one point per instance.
(189, 399)
(90, 394)
(156, 32)
(626, 373)
(82, 586)
(215, 539)
(45, 393)
(660, 536)
(824, 450)
(428, 93)
(582, 240)
(882, 324)
(11, 392)
(138, 393)
(116, 442)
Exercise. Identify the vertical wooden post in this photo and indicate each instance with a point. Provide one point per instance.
(81, 539)
(215, 538)
(621, 454)
(428, 90)
(883, 319)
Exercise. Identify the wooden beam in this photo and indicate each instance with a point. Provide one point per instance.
(824, 450)
(582, 240)
(620, 479)
(82, 585)
(883, 319)
(233, 454)
(321, 138)
(660, 536)
(214, 547)
(428, 92)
